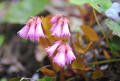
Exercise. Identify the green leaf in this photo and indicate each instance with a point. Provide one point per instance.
(104, 61)
(78, 2)
(114, 45)
(99, 5)
(113, 50)
(115, 27)
(22, 11)
(2, 38)
(46, 79)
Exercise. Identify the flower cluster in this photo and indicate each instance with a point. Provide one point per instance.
(64, 53)
(33, 29)
(60, 28)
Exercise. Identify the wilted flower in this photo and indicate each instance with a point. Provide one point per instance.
(64, 54)
(33, 29)
(60, 26)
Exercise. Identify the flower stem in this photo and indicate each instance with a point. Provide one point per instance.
(62, 75)
(98, 23)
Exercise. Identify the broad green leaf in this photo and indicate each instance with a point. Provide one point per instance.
(99, 5)
(78, 2)
(23, 10)
(115, 52)
(114, 45)
(46, 79)
(115, 27)
(2, 38)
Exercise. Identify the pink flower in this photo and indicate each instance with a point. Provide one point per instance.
(69, 55)
(33, 29)
(59, 59)
(39, 30)
(31, 32)
(56, 18)
(51, 49)
(60, 26)
(24, 32)
(66, 31)
(64, 53)
(57, 29)
(53, 27)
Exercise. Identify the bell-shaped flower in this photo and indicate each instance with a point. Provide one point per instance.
(24, 32)
(60, 58)
(51, 49)
(64, 54)
(33, 29)
(56, 18)
(69, 55)
(65, 30)
(57, 29)
(60, 26)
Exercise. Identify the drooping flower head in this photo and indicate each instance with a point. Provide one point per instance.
(51, 49)
(33, 29)
(57, 29)
(60, 26)
(56, 18)
(69, 54)
(64, 54)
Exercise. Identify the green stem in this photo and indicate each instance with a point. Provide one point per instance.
(104, 61)
(98, 22)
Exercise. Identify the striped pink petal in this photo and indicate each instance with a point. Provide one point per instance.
(53, 27)
(59, 59)
(56, 18)
(31, 33)
(69, 55)
(51, 49)
(39, 31)
(58, 29)
(65, 30)
(24, 32)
